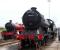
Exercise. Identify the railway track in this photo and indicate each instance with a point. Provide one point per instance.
(7, 42)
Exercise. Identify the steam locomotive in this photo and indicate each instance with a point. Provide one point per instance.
(12, 30)
(35, 31)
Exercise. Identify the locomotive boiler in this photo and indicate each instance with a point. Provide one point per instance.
(32, 19)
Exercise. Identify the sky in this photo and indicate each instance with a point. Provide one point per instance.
(14, 10)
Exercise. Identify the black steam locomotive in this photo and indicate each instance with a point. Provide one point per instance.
(37, 29)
